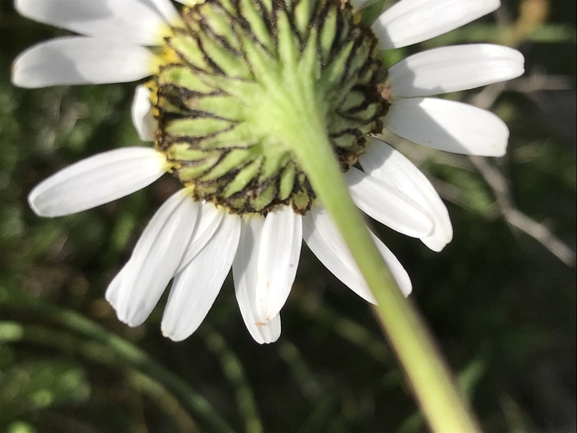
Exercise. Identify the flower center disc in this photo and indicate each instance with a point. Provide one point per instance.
(236, 66)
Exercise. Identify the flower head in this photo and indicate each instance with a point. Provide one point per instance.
(230, 79)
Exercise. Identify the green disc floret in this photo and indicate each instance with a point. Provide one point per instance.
(243, 67)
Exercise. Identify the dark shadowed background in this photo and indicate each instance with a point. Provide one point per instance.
(500, 298)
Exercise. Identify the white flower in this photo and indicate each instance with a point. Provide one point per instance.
(197, 243)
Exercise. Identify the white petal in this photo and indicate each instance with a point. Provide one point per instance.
(278, 258)
(142, 116)
(412, 21)
(390, 166)
(114, 288)
(195, 288)
(207, 222)
(97, 180)
(189, 3)
(80, 60)
(388, 205)
(166, 9)
(448, 125)
(156, 257)
(324, 240)
(244, 271)
(452, 69)
(124, 21)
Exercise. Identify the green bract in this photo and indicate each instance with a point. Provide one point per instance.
(239, 69)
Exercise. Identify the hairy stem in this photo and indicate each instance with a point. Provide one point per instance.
(445, 409)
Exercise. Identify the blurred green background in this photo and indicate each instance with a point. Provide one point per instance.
(500, 298)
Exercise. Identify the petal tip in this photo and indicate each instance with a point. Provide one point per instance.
(171, 335)
(17, 77)
(38, 205)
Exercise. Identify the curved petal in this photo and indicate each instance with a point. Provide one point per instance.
(114, 289)
(189, 3)
(156, 257)
(324, 240)
(388, 205)
(452, 69)
(142, 116)
(409, 22)
(79, 60)
(166, 9)
(390, 166)
(207, 222)
(124, 21)
(448, 125)
(278, 258)
(244, 272)
(196, 287)
(97, 180)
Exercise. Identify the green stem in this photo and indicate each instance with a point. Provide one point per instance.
(92, 351)
(132, 355)
(234, 372)
(443, 405)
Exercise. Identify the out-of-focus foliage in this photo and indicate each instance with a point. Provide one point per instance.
(500, 298)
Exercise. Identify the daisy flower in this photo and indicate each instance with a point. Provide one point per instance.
(220, 81)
